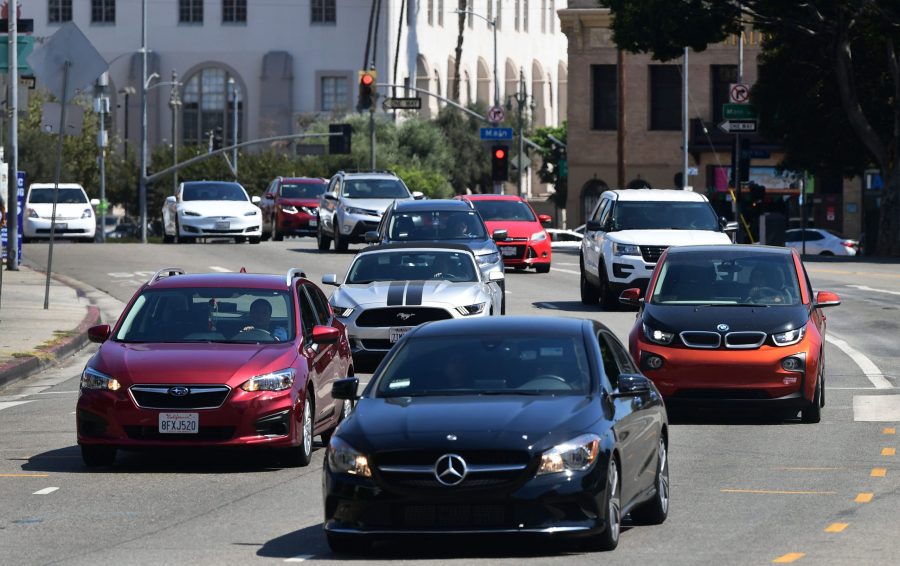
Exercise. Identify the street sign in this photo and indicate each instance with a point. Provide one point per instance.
(738, 126)
(67, 46)
(26, 46)
(414, 103)
(496, 114)
(739, 111)
(496, 134)
(739, 93)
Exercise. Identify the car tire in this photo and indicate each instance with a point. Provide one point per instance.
(608, 299)
(301, 455)
(343, 543)
(255, 239)
(542, 268)
(277, 235)
(655, 511)
(97, 456)
(322, 241)
(340, 243)
(167, 239)
(346, 409)
(812, 413)
(589, 295)
(502, 296)
(609, 538)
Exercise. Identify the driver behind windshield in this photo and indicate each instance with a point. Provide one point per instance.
(261, 317)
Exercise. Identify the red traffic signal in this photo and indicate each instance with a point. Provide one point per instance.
(367, 95)
(367, 79)
(499, 163)
(499, 153)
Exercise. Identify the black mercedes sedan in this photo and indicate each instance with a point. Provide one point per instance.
(532, 425)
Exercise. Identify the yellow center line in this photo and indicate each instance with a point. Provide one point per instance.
(888, 451)
(778, 492)
(836, 527)
(864, 497)
(889, 430)
(789, 557)
(24, 475)
(879, 472)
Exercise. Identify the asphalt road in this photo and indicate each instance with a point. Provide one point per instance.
(745, 490)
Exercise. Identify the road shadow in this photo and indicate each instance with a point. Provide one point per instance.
(705, 416)
(310, 543)
(578, 306)
(849, 259)
(316, 251)
(176, 459)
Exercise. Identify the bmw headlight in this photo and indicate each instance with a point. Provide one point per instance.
(253, 212)
(625, 249)
(190, 213)
(275, 381)
(658, 336)
(539, 236)
(93, 379)
(345, 459)
(469, 310)
(790, 337)
(488, 258)
(342, 312)
(576, 455)
(87, 213)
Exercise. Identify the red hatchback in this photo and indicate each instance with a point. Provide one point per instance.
(527, 243)
(223, 359)
(290, 207)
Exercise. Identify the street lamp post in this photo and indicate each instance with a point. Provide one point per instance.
(521, 98)
(234, 110)
(142, 188)
(174, 104)
(126, 92)
(493, 23)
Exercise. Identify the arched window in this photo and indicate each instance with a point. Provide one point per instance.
(209, 100)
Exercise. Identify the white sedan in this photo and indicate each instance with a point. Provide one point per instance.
(74, 213)
(820, 242)
(211, 209)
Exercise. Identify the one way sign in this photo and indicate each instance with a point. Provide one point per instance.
(738, 126)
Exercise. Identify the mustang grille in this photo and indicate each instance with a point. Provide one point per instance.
(392, 316)
(198, 396)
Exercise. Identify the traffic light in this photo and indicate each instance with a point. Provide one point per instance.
(499, 163)
(367, 95)
(217, 138)
(341, 143)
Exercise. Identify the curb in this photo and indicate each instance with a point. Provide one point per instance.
(20, 369)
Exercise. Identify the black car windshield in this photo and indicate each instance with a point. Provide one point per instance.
(650, 215)
(510, 210)
(375, 188)
(209, 314)
(302, 190)
(66, 196)
(213, 191)
(538, 364)
(436, 225)
(727, 278)
(411, 265)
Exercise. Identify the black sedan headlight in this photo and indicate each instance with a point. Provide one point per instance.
(576, 455)
(658, 336)
(345, 459)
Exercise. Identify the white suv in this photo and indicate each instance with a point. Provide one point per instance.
(629, 229)
(74, 214)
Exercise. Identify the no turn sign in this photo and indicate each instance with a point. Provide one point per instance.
(739, 93)
(496, 114)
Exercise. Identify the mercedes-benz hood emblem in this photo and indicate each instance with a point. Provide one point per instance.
(450, 469)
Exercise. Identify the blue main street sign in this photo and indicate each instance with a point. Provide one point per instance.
(496, 134)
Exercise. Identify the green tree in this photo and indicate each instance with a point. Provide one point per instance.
(470, 158)
(829, 85)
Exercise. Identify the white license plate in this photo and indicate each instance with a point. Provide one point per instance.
(313, 222)
(179, 423)
(223, 225)
(62, 225)
(398, 332)
(508, 251)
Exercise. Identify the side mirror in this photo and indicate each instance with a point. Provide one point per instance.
(330, 279)
(325, 334)
(255, 199)
(170, 199)
(500, 235)
(345, 389)
(418, 195)
(329, 196)
(371, 237)
(496, 276)
(95, 202)
(268, 196)
(730, 227)
(827, 299)
(99, 334)
(632, 385)
(545, 219)
(631, 297)
(593, 226)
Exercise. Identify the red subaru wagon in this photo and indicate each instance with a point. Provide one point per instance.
(217, 359)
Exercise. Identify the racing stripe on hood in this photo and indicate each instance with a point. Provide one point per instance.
(395, 293)
(414, 292)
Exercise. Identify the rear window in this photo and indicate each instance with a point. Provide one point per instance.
(302, 190)
(510, 210)
(214, 191)
(66, 196)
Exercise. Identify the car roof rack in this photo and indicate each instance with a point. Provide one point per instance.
(368, 171)
(164, 273)
(292, 274)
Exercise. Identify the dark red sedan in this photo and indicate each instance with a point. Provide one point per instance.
(219, 359)
(290, 207)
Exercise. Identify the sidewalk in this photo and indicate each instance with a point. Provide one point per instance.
(32, 338)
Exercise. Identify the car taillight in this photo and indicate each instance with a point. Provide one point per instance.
(848, 244)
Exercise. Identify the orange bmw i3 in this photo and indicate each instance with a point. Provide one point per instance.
(734, 325)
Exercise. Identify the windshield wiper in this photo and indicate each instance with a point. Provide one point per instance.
(531, 392)
(731, 305)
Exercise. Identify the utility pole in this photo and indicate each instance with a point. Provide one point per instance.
(684, 122)
(736, 145)
(142, 189)
(12, 220)
(521, 99)
(620, 119)
(234, 113)
(102, 108)
(372, 134)
(175, 104)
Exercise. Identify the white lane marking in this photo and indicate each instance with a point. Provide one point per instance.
(865, 288)
(145, 274)
(300, 558)
(8, 404)
(45, 491)
(565, 271)
(563, 263)
(878, 408)
(121, 275)
(867, 366)
(220, 269)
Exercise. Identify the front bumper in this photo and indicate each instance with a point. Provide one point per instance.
(212, 226)
(354, 226)
(518, 253)
(112, 418)
(83, 228)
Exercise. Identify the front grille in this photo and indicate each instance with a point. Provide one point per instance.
(388, 316)
(203, 433)
(701, 339)
(651, 253)
(744, 340)
(376, 344)
(748, 340)
(198, 396)
(429, 457)
(486, 470)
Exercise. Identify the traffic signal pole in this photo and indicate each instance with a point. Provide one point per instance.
(372, 135)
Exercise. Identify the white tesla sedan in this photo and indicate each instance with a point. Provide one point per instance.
(211, 209)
